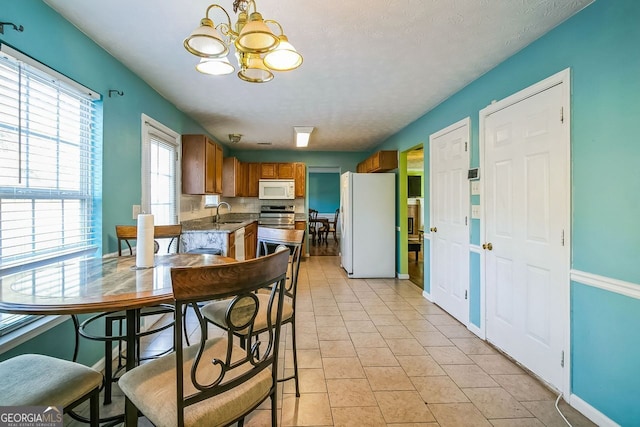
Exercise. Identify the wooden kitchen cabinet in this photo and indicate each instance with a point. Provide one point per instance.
(268, 171)
(250, 240)
(300, 179)
(231, 177)
(231, 248)
(277, 170)
(201, 165)
(381, 161)
(253, 179)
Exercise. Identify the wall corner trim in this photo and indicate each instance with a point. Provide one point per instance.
(606, 283)
(590, 412)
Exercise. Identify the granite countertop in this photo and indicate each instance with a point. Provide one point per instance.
(229, 223)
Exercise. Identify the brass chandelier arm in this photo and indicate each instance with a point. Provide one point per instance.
(225, 12)
(271, 21)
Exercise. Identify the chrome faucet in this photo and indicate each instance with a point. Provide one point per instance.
(218, 210)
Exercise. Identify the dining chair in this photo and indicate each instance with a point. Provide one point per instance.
(313, 223)
(215, 382)
(268, 240)
(113, 320)
(38, 380)
(332, 226)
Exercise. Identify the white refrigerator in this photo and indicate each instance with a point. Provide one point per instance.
(368, 224)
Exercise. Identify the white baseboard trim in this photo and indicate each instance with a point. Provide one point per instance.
(590, 412)
(607, 283)
(402, 276)
(427, 295)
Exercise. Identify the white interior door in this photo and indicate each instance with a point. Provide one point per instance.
(449, 163)
(526, 200)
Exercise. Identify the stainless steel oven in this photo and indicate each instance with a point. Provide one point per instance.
(277, 216)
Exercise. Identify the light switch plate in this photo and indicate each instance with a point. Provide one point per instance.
(475, 211)
(135, 211)
(475, 188)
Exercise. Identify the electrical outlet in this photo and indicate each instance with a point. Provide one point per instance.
(475, 188)
(135, 211)
(475, 211)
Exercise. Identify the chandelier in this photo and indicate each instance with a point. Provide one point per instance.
(258, 50)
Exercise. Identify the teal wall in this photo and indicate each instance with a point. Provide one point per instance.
(346, 161)
(324, 192)
(600, 45)
(53, 41)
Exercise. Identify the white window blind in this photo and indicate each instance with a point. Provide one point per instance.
(50, 173)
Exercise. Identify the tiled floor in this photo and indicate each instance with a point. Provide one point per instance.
(376, 353)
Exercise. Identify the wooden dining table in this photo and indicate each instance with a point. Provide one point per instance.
(93, 285)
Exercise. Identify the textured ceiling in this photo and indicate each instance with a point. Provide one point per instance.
(370, 68)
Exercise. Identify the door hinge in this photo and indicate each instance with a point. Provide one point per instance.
(465, 294)
(465, 146)
(561, 114)
(562, 359)
(562, 238)
(465, 220)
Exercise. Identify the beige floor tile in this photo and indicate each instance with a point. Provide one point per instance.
(403, 407)
(306, 359)
(449, 356)
(438, 390)
(307, 410)
(337, 348)
(355, 315)
(419, 325)
(367, 340)
(441, 319)
(385, 320)
(310, 381)
(346, 297)
(378, 310)
(517, 422)
(432, 339)
(434, 424)
(332, 333)
(326, 310)
(473, 346)
(360, 326)
(358, 417)
(326, 321)
(329, 301)
(458, 414)
(398, 305)
(350, 306)
(406, 347)
(408, 314)
(390, 332)
(546, 412)
(455, 331)
(390, 378)
(496, 364)
(496, 403)
(469, 376)
(524, 387)
(342, 367)
(304, 316)
(420, 366)
(350, 392)
(376, 357)
(306, 341)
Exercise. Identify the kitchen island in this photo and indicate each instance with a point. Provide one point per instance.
(204, 233)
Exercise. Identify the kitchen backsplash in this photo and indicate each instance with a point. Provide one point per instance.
(193, 206)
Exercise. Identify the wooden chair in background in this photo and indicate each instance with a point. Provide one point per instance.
(130, 232)
(332, 227)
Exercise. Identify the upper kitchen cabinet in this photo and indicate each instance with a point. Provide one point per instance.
(277, 170)
(201, 165)
(240, 179)
(300, 179)
(253, 178)
(381, 161)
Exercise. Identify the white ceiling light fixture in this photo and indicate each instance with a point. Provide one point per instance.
(258, 49)
(303, 133)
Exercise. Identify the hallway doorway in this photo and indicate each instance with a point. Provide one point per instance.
(415, 215)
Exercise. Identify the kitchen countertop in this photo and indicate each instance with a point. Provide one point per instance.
(228, 224)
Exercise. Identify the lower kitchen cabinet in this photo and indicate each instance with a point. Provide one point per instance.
(250, 240)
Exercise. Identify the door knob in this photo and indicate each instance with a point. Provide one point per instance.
(434, 229)
(487, 246)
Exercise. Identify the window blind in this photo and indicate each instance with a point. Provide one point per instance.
(50, 177)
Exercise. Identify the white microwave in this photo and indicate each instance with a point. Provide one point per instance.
(277, 189)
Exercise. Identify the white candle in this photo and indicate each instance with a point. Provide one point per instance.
(144, 244)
